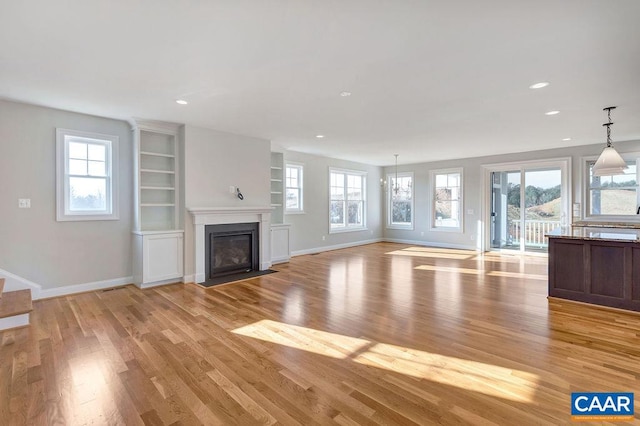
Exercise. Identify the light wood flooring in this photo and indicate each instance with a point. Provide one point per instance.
(378, 334)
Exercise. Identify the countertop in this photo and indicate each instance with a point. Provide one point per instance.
(595, 233)
(593, 224)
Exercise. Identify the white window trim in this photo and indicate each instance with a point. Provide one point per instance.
(301, 167)
(432, 193)
(62, 197)
(391, 225)
(565, 166)
(348, 228)
(586, 205)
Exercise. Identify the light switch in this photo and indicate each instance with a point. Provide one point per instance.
(24, 203)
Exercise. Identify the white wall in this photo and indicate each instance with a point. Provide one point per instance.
(215, 160)
(32, 244)
(474, 191)
(307, 229)
(57, 254)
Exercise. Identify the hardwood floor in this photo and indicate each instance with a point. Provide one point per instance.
(378, 334)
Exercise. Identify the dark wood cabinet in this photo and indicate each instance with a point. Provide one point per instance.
(595, 271)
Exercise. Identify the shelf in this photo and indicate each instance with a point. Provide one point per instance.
(168, 172)
(276, 187)
(162, 188)
(157, 154)
(158, 243)
(159, 231)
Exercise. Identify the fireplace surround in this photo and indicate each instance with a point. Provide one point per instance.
(203, 216)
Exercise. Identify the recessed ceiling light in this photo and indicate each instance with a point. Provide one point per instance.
(319, 136)
(566, 139)
(539, 85)
(554, 112)
(345, 94)
(181, 102)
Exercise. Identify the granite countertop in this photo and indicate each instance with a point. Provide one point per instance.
(592, 224)
(595, 233)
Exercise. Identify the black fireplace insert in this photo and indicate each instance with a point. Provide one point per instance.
(231, 249)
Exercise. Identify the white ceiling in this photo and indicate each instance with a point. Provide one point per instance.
(430, 80)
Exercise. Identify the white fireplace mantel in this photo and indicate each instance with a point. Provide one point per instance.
(203, 216)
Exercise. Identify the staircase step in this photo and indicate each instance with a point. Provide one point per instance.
(15, 307)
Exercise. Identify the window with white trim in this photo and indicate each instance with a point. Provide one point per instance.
(347, 201)
(613, 197)
(400, 201)
(293, 188)
(86, 176)
(447, 199)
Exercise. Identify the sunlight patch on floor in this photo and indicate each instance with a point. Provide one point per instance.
(522, 259)
(488, 379)
(470, 271)
(306, 339)
(436, 254)
(517, 275)
(474, 271)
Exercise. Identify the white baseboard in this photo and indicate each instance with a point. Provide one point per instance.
(189, 278)
(158, 283)
(430, 244)
(81, 288)
(14, 321)
(13, 283)
(335, 247)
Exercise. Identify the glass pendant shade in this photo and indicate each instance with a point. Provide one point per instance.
(609, 163)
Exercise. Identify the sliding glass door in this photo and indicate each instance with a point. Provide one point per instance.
(542, 207)
(505, 210)
(526, 202)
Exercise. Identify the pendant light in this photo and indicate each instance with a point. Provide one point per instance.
(610, 162)
(396, 187)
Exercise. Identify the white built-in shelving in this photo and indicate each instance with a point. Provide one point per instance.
(277, 187)
(280, 232)
(158, 239)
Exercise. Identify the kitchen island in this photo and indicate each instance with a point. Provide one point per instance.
(596, 265)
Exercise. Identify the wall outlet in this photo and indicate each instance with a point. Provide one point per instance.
(324, 238)
(24, 203)
(470, 211)
(232, 189)
(422, 234)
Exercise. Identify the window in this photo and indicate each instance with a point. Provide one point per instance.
(611, 196)
(447, 199)
(347, 202)
(400, 201)
(293, 188)
(86, 178)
